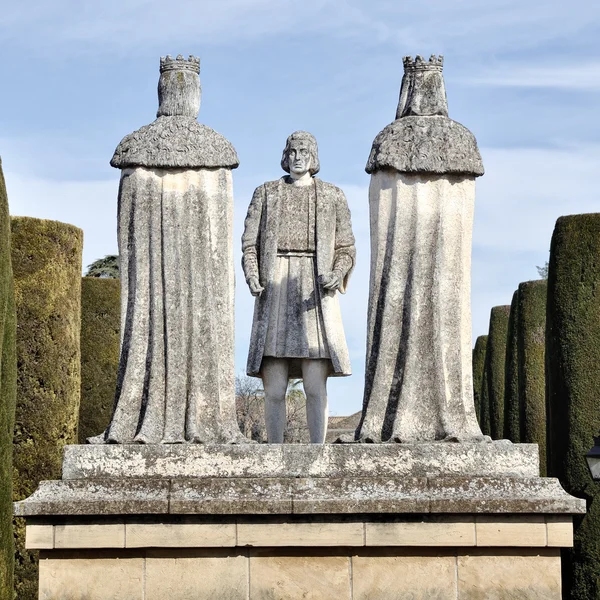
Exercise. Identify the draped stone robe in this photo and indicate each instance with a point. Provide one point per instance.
(418, 379)
(334, 244)
(175, 224)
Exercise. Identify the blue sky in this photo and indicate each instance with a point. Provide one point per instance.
(524, 76)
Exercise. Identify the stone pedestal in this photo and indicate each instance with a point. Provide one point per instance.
(435, 520)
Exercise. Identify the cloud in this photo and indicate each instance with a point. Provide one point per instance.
(135, 25)
(583, 77)
(91, 205)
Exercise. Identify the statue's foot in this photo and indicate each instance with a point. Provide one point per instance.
(345, 438)
(477, 439)
(97, 439)
(237, 437)
(367, 437)
(167, 440)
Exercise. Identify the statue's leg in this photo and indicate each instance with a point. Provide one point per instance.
(274, 372)
(314, 378)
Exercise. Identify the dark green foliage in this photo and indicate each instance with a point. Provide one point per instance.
(484, 410)
(532, 383)
(495, 358)
(46, 258)
(478, 363)
(100, 327)
(106, 268)
(573, 386)
(512, 405)
(8, 390)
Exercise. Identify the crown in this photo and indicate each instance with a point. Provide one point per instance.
(167, 63)
(435, 63)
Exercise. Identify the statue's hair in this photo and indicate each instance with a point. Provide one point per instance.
(309, 138)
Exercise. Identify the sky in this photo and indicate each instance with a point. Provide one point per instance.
(523, 76)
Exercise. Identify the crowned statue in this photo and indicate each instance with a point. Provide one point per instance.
(423, 166)
(175, 221)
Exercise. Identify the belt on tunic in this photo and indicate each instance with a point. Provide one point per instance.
(295, 253)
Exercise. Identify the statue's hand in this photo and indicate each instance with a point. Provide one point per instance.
(332, 280)
(255, 287)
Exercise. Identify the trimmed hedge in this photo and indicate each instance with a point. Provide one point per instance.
(478, 364)
(46, 258)
(100, 344)
(573, 386)
(532, 384)
(495, 358)
(512, 405)
(8, 392)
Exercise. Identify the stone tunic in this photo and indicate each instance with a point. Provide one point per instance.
(296, 327)
(297, 219)
(334, 250)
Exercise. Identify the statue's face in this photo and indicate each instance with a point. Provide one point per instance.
(299, 160)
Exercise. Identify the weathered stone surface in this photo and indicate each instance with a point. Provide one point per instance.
(559, 530)
(300, 460)
(360, 495)
(530, 574)
(96, 497)
(175, 225)
(297, 495)
(197, 574)
(180, 535)
(231, 496)
(315, 534)
(381, 530)
(381, 576)
(501, 495)
(418, 382)
(301, 573)
(433, 144)
(432, 531)
(89, 535)
(176, 142)
(299, 577)
(519, 531)
(74, 575)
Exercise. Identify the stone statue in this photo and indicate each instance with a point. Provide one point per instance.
(298, 251)
(418, 380)
(175, 219)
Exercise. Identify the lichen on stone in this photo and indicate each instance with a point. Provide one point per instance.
(175, 142)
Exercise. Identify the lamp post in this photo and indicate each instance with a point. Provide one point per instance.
(593, 459)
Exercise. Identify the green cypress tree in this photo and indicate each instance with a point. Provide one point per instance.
(531, 346)
(484, 411)
(573, 387)
(8, 391)
(512, 406)
(495, 358)
(100, 327)
(46, 259)
(478, 364)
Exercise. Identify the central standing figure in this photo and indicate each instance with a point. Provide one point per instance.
(298, 252)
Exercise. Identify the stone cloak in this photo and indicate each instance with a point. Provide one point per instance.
(333, 237)
(419, 381)
(174, 230)
(418, 376)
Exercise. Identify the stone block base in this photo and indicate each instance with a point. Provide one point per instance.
(463, 557)
(293, 574)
